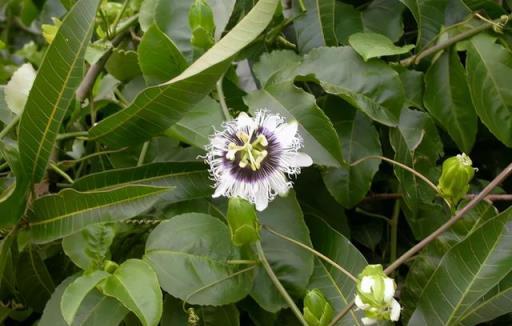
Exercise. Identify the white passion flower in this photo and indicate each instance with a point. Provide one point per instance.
(251, 156)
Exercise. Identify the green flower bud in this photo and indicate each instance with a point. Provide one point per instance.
(200, 19)
(455, 177)
(243, 222)
(317, 310)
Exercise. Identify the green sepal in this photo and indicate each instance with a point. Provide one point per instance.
(317, 310)
(243, 222)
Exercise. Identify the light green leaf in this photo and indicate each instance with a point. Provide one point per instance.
(373, 45)
(336, 286)
(222, 10)
(135, 285)
(467, 271)
(89, 248)
(54, 87)
(193, 265)
(123, 65)
(76, 292)
(189, 180)
(320, 139)
(159, 58)
(489, 69)
(56, 216)
(279, 62)
(315, 27)
(292, 264)
(448, 101)
(150, 113)
(359, 138)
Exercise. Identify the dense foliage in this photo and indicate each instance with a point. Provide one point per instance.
(108, 209)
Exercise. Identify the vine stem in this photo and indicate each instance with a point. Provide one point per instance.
(395, 195)
(72, 135)
(10, 126)
(277, 283)
(143, 153)
(313, 251)
(222, 99)
(423, 243)
(61, 172)
(394, 231)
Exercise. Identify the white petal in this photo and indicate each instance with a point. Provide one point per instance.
(286, 133)
(395, 311)
(359, 303)
(279, 183)
(261, 199)
(368, 321)
(299, 159)
(223, 186)
(367, 284)
(17, 89)
(389, 289)
(243, 120)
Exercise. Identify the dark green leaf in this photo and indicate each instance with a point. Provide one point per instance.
(373, 45)
(384, 17)
(315, 27)
(279, 62)
(123, 65)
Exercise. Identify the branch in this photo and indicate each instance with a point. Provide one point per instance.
(394, 196)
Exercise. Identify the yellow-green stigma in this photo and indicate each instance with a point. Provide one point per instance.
(250, 154)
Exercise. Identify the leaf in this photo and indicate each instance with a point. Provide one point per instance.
(123, 64)
(384, 17)
(315, 27)
(54, 87)
(222, 10)
(135, 285)
(320, 140)
(33, 280)
(278, 62)
(76, 292)
(189, 180)
(359, 138)
(5, 249)
(89, 248)
(56, 216)
(150, 113)
(489, 69)
(448, 101)
(348, 21)
(373, 45)
(292, 264)
(373, 87)
(192, 264)
(467, 271)
(95, 309)
(412, 81)
(336, 286)
(428, 260)
(159, 58)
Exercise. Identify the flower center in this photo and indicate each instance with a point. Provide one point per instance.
(251, 154)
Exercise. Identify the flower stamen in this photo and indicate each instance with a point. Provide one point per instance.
(251, 154)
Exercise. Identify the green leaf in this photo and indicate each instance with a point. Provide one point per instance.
(135, 285)
(76, 292)
(448, 101)
(5, 249)
(89, 248)
(373, 87)
(424, 265)
(54, 88)
(56, 216)
(412, 81)
(278, 62)
(150, 113)
(337, 287)
(123, 64)
(159, 58)
(315, 27)
(292, 264)
(359, 138)
(373, 45)
(384, 17)
(96, 309)
(193, 264)
(348, 21)
(467, 271)
(222, 10)
(489, 69)
(320, 140)
(33, 280)
(189, 180)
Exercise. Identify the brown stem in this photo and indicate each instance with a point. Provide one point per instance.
(394, 196)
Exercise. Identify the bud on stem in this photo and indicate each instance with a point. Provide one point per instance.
(317, 310)
(243, 222)
(455, 177)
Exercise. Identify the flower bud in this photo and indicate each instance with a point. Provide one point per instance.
(243, 222)
(200, 19)
(317, 310)
(455, 177)
(17, 89)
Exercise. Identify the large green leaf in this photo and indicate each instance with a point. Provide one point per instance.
(320, 139)
(384, 17)
(54, 87)
(359, 138)
(489, 69)
(96, 309)
(56, 216)
(292, 264)
(189, 180)
(76, 292)
(373, 87)
(192, 264)
(157, 108)
(336, 286)
(448, 101)
(135, 285)
(468, 271)
(315, 27)
(428, 260)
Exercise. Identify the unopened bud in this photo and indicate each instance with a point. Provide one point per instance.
(200, 19)
(317, 310)
(455, 177)
(243, 222)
